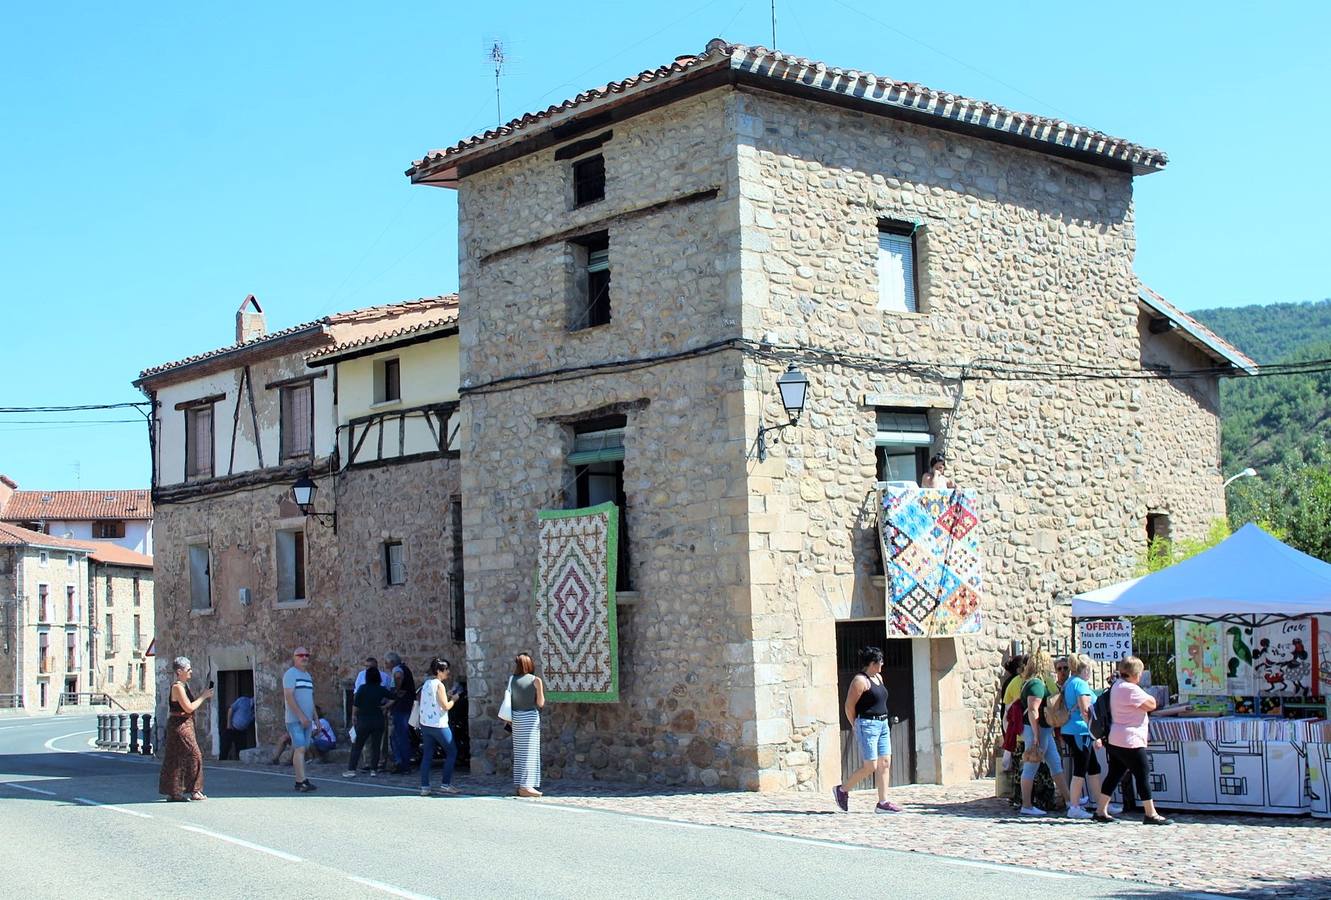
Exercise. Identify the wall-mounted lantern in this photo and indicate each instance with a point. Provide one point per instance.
(794, 388)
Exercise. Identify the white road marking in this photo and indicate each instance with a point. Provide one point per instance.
(240, 843)
(50, 745)
(120, 809)
(23, 787)
(831, 845)
(388, 888)
(1006, 870)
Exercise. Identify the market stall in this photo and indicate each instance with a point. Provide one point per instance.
(1252, 641)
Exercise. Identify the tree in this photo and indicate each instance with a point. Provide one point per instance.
(1292, 502)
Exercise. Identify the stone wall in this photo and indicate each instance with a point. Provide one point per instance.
(112, 591)
(350, 612)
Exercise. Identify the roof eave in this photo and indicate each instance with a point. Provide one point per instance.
(323, 359)
(1198, 338)
(228, 358)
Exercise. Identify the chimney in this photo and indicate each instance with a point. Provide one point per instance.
(7, 488)
(249, 320)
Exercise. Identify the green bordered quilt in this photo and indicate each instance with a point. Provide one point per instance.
(576, 632)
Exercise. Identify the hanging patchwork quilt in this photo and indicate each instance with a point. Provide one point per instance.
(1276, 660)
(575, 604)
(931, 551)
(1200, 657)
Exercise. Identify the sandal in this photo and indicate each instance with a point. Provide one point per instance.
(198, 795)
(177, 798)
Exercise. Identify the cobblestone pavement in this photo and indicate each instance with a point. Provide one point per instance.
(1236, 855)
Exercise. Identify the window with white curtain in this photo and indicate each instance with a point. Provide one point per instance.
(896, 269)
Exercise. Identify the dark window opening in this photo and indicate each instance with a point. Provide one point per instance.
(389, 381)
(199, 443)
(109, 528)
(455, 574)
(589, 180)
(592, 294)
(598, 477)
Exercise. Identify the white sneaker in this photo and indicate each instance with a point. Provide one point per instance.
(1115, 809)
(349, 773)
(1031, 811)
(1077, 812)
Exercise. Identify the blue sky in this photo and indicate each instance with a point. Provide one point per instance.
(160, 161)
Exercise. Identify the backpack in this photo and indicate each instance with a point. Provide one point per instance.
(1056, 713)
(1103, 717)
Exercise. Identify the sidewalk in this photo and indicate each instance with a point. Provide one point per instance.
(1237, 855)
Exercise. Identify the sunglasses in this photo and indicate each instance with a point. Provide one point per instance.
(306, 655)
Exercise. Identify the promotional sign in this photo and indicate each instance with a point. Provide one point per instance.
(1105, 640)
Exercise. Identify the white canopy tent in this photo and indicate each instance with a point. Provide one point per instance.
(1249, 578)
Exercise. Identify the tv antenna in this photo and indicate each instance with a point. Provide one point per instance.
(497, 54)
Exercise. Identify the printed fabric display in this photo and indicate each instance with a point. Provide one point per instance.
(1277, 660)
(931, 550)
(576, 631)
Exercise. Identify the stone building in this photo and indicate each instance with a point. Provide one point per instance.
(243, 575)
(120, 609)
(641, 262)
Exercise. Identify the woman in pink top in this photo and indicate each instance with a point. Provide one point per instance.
(1128, 709)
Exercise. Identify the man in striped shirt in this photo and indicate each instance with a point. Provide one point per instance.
(298, 697)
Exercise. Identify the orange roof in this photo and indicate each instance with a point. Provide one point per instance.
(77, 506)
(109, 554)
(434, 313)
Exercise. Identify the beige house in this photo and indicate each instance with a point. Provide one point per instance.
(122, 518)
(640, 263)
(362, 403)
(53, 595)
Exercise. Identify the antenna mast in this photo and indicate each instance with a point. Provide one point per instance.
(773, 24)
(498, 57)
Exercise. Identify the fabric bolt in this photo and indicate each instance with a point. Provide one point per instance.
(1048, 751)
(576, 628)
(930, 539)
(875, 737)
(432, 737)
(182, 761)
(527, 748)
(1129, 728)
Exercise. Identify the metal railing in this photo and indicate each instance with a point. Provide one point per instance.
(86, 698)
(112, 646)
(11, 701)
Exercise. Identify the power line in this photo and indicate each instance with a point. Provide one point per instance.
(81, 408)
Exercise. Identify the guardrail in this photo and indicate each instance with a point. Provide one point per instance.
(125, 732)
(86, 698)
(11, 701)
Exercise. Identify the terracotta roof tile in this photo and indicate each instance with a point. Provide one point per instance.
(782, 67)
(332, 325)
(441, 312)
(17, 536)
(33, 506)
(110, 554)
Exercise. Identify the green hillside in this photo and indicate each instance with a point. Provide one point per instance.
(1280, 419)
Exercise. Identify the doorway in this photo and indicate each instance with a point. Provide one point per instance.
(898, 678)
(233, 683)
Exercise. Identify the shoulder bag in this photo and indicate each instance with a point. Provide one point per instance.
(414, 720)
(506, 706)
(1056, 712)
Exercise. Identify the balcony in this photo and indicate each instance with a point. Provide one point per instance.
(71, 663)
(45, 664)
(113, 646)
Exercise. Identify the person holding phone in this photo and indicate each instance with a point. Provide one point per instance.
(435, 702)
(181, 777)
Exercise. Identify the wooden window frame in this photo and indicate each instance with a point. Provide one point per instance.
(588, 180)
(388, 386)
(286, 453)
(906, 230)
(300, 587)
(190, 413)
(591, 297)
(388, 563)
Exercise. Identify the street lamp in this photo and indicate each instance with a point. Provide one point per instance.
(794, 389)
(1249, 472)
(304, 492)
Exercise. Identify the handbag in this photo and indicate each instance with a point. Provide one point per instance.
(506, 707)
(414, 720)
(1056, 711)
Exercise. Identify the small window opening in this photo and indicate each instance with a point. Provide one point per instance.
(589, 180)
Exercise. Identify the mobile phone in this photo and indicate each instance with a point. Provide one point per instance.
(210, 685)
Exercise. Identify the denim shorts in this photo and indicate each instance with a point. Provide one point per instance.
(1048, 749)
(300, 735)
(875, 738)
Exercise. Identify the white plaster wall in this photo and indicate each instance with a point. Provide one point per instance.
(429, 374)
(138, 534)
(267, 411)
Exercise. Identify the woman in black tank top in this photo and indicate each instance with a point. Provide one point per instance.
(866, 710)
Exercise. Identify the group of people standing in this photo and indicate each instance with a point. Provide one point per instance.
(1043, 698)
(386, 704)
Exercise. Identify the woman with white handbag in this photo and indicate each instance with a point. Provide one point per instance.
(525, 696)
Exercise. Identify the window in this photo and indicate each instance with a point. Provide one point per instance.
(71, 651)
(290, 566)
(199, 442)
(109, 595)
(143, 677)
(455, 578)
(598, 477)
(136, 590)
(387, 381)
(110, 528)
(110, 674)
(297, 421)
(1158, 534)
(41, 693)
(71, 604)
(902, 442)
(43, 558)
(138, 634)
(589, 180)
(200, 579)
(69, 560)
(394, 571)
(43, 603)
(109, 640)
(591, 293)
(898, 290)
(44, 653)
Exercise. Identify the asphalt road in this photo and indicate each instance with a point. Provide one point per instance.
(78, 822)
